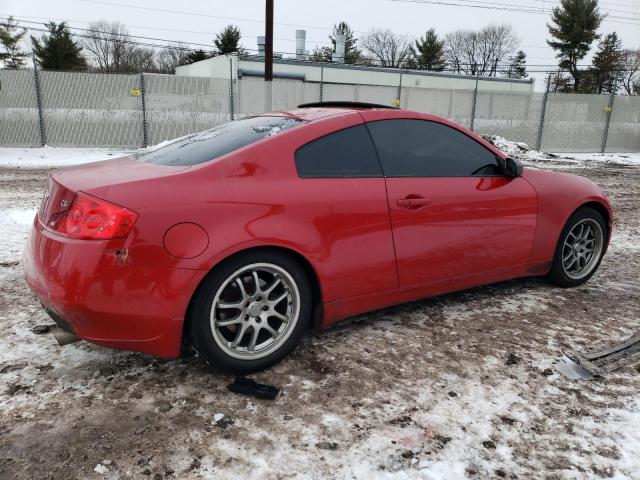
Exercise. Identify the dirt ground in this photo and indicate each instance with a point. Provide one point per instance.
(459, 386)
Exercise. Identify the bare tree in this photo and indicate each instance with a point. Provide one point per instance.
(454, 43)
(386, 48)
(480, 52)
(169, 58)
(112, 50)
(630, 74)
(139, 59)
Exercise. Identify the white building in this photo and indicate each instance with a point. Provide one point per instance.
(299, 68)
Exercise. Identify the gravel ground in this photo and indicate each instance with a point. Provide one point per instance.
(459, 386)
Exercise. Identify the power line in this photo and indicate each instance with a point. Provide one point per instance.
(546, 3)
(197, 14)
(504, 7)
(21, 18)
(177, 45)
(146, 27)
(515, 8)
(503, 67)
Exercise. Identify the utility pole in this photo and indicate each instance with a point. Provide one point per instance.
(268, 42)
(268, 57)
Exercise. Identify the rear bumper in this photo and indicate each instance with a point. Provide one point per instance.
(103, 298)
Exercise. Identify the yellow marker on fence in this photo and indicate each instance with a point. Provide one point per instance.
(608, 109)
(395, 102)
(135, 93)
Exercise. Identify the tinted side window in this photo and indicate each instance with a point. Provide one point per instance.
(213, 143)
(346, 153)
(419, 148)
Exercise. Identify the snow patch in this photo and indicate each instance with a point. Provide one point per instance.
(217, 417)
(101, 469)
(560, 160)
(48, 157)
(14, 229)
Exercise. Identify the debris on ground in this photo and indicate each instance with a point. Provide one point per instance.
(327, 445)
(588, 365)
(247, 386)
(40, 329)
(512, 359)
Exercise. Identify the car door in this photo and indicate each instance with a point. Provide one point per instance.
(453, 211)
(342, 196)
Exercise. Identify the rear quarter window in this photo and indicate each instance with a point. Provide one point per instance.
(218, 141)
(346, 153)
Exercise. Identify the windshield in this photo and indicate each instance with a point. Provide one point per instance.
(213, 143)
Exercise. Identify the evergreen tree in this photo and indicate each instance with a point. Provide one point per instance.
(57, 50)
(352, 53)
(607, 63)
(10, 37)
(428, 53)
(228, 40)
(196, 56)
(573, 30)
(518, 66)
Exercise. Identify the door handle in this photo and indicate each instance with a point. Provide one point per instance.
(413, 203)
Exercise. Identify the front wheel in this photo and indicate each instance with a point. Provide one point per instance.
(580, 248)
(251, 311)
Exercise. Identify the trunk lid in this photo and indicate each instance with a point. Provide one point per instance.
(63, 183)
(107, 173)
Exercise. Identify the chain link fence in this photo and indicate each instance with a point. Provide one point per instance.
(91, 109)
(78, 109)
(176, 106)
(19, 120)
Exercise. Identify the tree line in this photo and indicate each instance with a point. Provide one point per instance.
(489, 51)
(105, 47)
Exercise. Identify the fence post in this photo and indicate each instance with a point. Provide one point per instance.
(144, 112)
(609, 110)
(400, 89)
(36, 79)
(231, 106)
(321, 81)
(473, 107)
(543, 113)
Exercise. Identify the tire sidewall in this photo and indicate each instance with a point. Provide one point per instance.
(199, 328)
(557, 273)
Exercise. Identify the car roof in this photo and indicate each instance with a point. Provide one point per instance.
(317, 110)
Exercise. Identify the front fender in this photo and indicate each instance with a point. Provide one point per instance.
(559, 195)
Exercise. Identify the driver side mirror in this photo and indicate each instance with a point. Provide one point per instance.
(512, 167)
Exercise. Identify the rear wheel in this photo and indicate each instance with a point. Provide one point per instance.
(580, 248)
(251, 311)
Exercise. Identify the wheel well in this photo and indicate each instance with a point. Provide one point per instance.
(602, 210)
(306, 265)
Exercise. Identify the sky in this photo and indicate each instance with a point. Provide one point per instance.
(197, 21)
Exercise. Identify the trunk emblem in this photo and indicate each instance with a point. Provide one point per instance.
(64, 203)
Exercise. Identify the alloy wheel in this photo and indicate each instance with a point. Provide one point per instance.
(582, 248)
(254, 311)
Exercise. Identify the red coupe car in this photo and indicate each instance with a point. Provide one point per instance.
(239, 238)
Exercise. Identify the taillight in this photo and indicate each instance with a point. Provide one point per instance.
(92, 218)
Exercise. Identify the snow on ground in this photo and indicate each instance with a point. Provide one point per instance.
(55, 156)
(560, 160)
(14, 226)
(459, 386)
